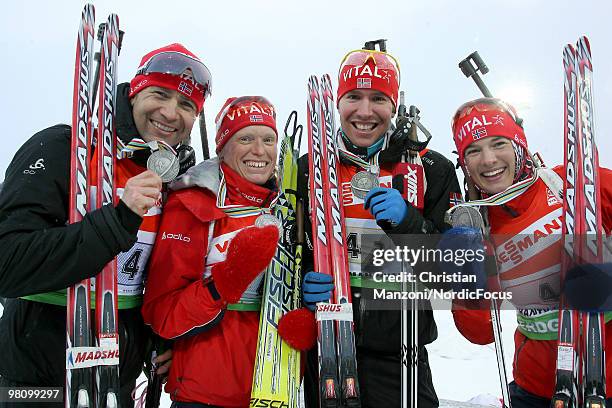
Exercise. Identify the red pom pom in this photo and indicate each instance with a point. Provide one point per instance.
(249, 253)
(298, 328)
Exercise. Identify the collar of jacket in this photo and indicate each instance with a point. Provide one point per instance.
(207, 175)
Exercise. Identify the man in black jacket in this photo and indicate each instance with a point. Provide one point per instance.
(41, 255)
(370, 148)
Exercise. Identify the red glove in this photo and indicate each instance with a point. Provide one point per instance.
(249, 253)
(298, 328)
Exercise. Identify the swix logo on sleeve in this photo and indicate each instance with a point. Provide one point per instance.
(178, 237)
(413, 183)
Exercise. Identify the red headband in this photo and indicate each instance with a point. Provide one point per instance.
(369, 70)
(479, 119)
(238, 113)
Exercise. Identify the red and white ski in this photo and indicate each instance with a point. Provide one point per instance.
(580, 376)
(107, 340)
(336, 339)
(79, 386)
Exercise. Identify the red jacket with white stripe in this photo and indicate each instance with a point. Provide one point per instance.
(534, 218)
(214, 348)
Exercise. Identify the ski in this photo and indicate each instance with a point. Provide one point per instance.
(326, 340)
(590, 238)
(338, 384)
(581, 335)
(566, 388)
(107, 370)
(79, 387)
(342, 293)
(276, 376)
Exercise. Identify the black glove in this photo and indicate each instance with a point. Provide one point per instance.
(588, 287)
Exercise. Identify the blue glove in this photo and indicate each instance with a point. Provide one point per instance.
(458, 240)
(317, 287)
(386, 204)
(588, 287)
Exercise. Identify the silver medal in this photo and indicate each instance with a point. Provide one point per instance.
(363, 182)
(269, 219)
(165, 164)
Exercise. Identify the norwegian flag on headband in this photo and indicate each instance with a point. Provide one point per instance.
(478, 133)
(364, 83)
(256, 118)
(185, 88)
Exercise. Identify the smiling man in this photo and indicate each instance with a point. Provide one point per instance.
(370, 148)
(40, 255)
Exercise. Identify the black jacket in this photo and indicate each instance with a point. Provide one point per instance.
(39, 252)
(377, 332)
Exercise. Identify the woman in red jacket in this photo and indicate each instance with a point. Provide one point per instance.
(526, 231)
(204, 273)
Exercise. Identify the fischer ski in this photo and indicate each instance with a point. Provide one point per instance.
(338, 383)
(79, 386)
(276, 376)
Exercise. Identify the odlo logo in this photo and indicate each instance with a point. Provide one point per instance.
(179, 237)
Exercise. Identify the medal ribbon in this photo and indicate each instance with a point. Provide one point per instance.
(371, 166)
(237, 210)
(502, 197)
(127, 150)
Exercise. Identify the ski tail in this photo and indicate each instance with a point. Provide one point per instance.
(79, 387)
(107, 374)
(337, 247)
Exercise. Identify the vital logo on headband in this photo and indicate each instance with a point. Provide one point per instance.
(369, 69)
(238, 113)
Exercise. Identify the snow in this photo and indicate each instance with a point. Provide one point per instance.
(464, 374)
(461, 371)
